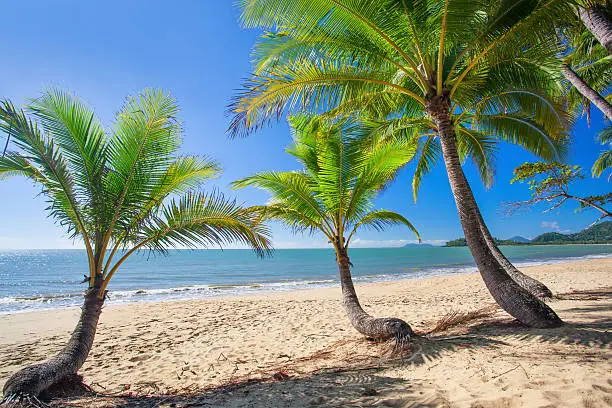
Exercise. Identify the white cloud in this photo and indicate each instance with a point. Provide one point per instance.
(550, 224)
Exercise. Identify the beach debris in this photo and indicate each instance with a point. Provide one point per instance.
(280, 375)
(505, 372)
(320, 400)
(456, 318)
(369, 392)
(392, 402)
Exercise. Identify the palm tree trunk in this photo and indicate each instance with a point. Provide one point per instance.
(598, 23)
(379, 329)
(588, 92)
(531, 285)
(32, 380)
(515, 300)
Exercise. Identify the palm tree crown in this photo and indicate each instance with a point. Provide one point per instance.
(392, 58)
(342, 174)
(123, 189)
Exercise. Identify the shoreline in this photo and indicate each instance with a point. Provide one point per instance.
(271, 287)
(163, 347)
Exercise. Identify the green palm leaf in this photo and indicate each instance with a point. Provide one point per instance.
(343, 173)
(126, 188)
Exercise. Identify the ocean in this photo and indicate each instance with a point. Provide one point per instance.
(48, 279)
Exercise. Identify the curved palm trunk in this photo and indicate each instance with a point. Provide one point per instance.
(528, 283)
(588, 92)
(32, 380)
(597, 22)
(379, 329)
(515, 300)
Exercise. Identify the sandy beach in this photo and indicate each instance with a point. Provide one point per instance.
(297, 349)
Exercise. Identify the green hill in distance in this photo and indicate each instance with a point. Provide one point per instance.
(597, 234)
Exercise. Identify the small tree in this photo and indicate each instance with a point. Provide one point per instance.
(549, 183)
(333, 194)
(118, 190)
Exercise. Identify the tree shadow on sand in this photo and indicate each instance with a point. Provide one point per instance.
(593, 329)
(333, 377)
(345, 389)
(351, 373)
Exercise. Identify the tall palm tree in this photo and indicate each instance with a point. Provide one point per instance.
(333, 194)
(482, 69)
(118, 190)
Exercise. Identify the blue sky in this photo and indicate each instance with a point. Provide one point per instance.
(103, 51)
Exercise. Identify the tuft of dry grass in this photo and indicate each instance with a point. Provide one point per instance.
(456, 318)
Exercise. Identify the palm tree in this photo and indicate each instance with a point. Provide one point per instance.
(596, 15)
(585, 64)
(118, 190)
(440, 69)
(333, 194)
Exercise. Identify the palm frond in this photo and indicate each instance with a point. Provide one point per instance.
(379, 220)
(481, 148)
(604, 161)
(142, 148)
(78, 133)
(294, 190)
(51, 168)
(198, 219)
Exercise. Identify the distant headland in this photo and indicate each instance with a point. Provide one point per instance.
(597, 234)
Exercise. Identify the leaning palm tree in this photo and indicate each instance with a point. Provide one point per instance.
(119, 191)
(586, 65)
(443, 70)
(596, 15)
(333, 194)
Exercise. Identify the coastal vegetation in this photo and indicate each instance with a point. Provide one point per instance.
(118, 191)
(600, 233)
(456, 76)
(333, 194)
(550, 184)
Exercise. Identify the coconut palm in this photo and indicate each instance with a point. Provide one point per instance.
(586, 65)
(440, 69)
(333, 194)
(118, 190)
(596, 15)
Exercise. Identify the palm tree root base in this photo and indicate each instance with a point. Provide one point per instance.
(386, 328)
(26, 384)
(69, 386)
(22, 401)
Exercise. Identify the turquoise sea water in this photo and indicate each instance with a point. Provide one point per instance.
(43, 279)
